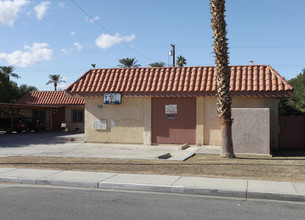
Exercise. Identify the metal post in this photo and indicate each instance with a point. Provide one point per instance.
(173, 45)
(12, 118)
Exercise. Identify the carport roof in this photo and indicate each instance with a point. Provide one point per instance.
(249, 80)
(50, 99)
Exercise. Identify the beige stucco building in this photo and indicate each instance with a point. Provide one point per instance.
(130, 122)
(173, 105)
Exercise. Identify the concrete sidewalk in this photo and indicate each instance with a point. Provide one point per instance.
(286, 191)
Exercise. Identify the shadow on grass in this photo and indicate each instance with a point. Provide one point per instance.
(290, 153)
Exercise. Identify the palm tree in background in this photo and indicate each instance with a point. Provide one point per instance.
(181, 61)
(8, 71)
(222, 69)
(128, 62)
(55, 80)
(157, 64)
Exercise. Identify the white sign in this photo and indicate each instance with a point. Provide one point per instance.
(170, 109)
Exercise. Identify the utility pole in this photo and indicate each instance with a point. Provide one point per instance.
(173, 45)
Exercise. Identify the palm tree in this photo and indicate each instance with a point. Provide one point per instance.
(181, 61)
(9, 72)
(55, 79)
(128, 62)
(222, 69)
(157, 64)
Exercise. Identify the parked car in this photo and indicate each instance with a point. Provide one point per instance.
(33, 124)
(4, 124)
(18, 125)
(21, 125)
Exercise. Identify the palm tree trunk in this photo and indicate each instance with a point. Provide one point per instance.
(222, 69)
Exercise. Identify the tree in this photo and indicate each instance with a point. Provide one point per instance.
(128, 62)
(55, 80)
(298, 98)
(9, 72)
(181, 61)
(157, 64)
(9, 90)
(296, 104)
(222, 69)
(24, 89)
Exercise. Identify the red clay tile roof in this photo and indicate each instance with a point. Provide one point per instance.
(49, 98)
(251, 80)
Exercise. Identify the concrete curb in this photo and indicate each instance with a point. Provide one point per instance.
(209, 192)
(158, 183)
(18, 180)
(276, 196)
(135, 187)
(85, 184)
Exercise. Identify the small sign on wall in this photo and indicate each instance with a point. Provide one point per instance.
(171, 109)
(170, 117)
(112, 98)
(100, 124)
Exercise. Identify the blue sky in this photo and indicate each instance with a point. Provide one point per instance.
(57, 37)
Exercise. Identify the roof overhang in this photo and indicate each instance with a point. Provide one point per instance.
(22, 106)
(28, 106)
(273, 94)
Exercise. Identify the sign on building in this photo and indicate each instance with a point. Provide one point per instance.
(171, 109)
(112, 98)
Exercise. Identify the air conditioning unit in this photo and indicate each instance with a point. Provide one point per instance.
(100, 124)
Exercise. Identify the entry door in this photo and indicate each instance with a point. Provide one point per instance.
(174, 120)
(58, 116)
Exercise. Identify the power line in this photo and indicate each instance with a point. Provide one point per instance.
(106, 30)
(244, 47)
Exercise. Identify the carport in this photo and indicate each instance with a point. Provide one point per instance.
(12, 106)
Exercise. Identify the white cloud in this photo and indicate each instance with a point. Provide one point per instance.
(62, 5)
(78, 46)
(31, 55)
(105, 41)
(73, 33)
(41, 9)
(9, 11)
(62, 86)
(91, 20)
(66, 51)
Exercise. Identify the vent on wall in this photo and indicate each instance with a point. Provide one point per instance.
(100, 124)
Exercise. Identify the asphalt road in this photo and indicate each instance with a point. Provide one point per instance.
(36, 202)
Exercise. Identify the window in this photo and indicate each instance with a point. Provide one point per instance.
(39, 115)
(77, 116)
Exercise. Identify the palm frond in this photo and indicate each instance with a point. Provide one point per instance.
(128, 62)
(157, 64)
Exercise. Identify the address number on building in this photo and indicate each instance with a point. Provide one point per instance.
(170, 109)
